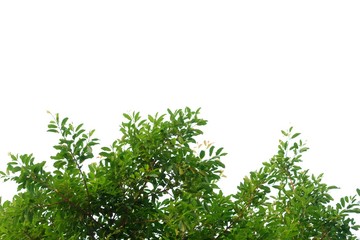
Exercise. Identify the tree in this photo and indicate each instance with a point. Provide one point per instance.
(156, 182)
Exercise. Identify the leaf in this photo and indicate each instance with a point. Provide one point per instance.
(202, 154)
(53, 130)
(104, 154)
(355, 210)
(219, 151)
(356, 227)
(271, 181)
(50, 126)
(91, 133)
(170, 112)
(92, 167)
(304, 149)
(13, 157)
(137, 116)
(211, 150)
(220, 164)
(77, 134)
(57, 172)
(107, 149)
(57, 118)
(295, 135)
(141, 122)
(151, 118)
(59, 147)
(335, 187)
(63, 122)
(127, 116)
(342, 201)
(78, 127)
(59, 164)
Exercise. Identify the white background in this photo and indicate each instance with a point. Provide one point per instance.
(254, 67)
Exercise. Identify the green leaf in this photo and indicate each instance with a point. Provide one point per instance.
(332, 187)
(151, 118)
(107, 149)
(91, 133)
(78, 127)
(295, 135)
(354, 210)
(13, 157)
(127, 116)
(63, 122)
(219, 151)
(78, 133)
(59, 164)
(57, 172)
(170, 112)
(356, 227)
(50, 126)
(53, 130)
(211, 150)
(342, 201)
(57, 118)
(304, 149)
(220, 164)
(202, 154)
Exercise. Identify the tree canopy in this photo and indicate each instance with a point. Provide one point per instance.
(158, 182)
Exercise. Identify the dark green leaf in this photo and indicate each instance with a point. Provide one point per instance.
(79, 127)
(342, 201)
(53, 130)
(219, 151)
(63, 122)
(211, 150)
(202, 154)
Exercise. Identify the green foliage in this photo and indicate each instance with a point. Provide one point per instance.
(156, 182)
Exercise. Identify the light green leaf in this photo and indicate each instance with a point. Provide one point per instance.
(127, 116)
(107, 149)
(295, 135)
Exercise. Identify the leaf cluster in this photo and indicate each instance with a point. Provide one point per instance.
(157, 182)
